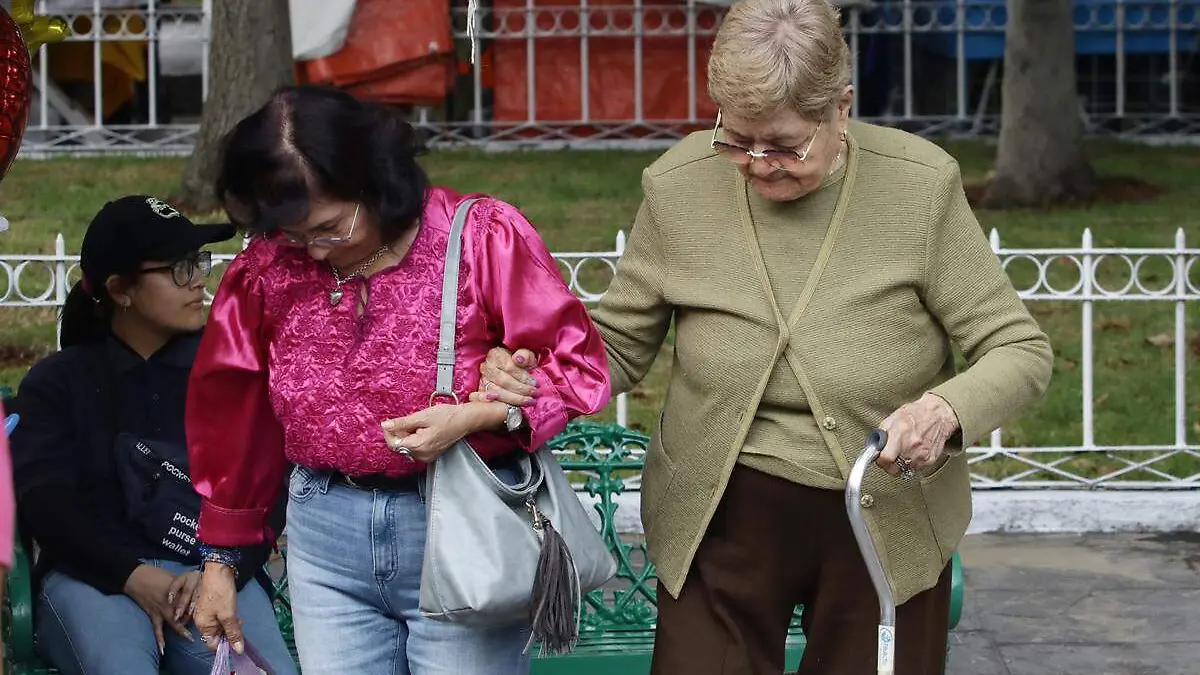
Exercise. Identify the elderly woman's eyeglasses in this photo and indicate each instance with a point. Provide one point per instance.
(183, 271)
(301, 240)
(782, 159)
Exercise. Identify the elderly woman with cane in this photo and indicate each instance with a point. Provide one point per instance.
(819, 272)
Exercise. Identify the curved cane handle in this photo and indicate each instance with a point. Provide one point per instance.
(866, 545)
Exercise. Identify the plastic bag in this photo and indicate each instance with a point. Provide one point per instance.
(229, 662)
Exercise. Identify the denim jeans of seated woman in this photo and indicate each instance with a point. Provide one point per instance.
(354, 573)
(82, 631)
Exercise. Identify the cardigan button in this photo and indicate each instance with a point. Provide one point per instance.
(866, 501)
(829, 423)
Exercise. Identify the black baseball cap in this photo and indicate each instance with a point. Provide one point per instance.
(133, 230)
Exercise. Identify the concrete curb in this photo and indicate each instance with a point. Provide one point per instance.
(1036, 511)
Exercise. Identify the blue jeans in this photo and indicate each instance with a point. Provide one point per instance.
(354, 572)
(81, 630)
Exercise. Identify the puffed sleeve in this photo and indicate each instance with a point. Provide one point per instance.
(968, 291)
(235, 443)
(526, 299)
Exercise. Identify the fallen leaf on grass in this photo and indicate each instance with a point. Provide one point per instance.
(1118, 323)
(1196, 345)
(1101, 399)
(1161, 340)
(18, 357)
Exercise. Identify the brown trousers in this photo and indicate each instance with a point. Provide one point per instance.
(771, 545)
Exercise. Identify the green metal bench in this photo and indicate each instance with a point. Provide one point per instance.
(617, 631)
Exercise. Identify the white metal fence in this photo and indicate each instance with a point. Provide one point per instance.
(1088, 275)
(633, 71)
(119, 78)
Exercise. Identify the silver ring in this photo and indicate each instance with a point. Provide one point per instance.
(204, 638)
(401, 450)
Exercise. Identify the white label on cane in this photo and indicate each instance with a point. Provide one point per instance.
(887, 650)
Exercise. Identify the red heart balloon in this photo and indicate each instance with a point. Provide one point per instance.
(16, 86)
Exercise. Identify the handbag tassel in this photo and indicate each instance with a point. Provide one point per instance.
(557, 600)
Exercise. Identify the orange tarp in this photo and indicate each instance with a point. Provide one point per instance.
(398, 52)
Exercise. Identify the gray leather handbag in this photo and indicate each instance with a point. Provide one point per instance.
(497, 554)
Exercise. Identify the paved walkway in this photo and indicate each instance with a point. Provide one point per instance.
(1079, 605)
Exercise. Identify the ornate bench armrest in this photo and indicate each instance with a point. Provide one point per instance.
(956, 590)
(18, 601)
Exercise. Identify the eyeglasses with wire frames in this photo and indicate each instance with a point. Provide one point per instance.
(781, 159)
(302, 240)
(183, 271)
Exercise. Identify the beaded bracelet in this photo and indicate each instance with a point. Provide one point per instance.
(229, 557)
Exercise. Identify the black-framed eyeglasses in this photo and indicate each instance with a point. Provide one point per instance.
(183, 271)
(782, 159)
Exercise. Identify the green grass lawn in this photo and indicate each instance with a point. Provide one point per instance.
(580, 200)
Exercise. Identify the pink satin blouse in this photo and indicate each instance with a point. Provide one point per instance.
(284, 376)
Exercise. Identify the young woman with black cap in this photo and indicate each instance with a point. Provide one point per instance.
(100, 462)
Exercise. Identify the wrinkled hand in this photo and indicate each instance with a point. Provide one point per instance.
(150, 587)
(505, 377)
(182, 595)
(917, 434)
(428, 433)
(216, 608)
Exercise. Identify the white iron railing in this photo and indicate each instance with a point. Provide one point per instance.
(931, 66)
(163, 51)
(1081, 275)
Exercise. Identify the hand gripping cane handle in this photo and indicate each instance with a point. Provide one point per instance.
(886, 647)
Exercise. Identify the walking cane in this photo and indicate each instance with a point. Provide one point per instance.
(886, 646)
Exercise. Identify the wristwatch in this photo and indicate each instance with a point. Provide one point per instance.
(513, 418)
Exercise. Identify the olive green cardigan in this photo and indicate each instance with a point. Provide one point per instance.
(903, 272)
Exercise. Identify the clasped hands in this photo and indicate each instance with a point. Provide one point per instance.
(168, 599)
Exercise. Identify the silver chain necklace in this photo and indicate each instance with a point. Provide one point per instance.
(834, 167)
(335, 296)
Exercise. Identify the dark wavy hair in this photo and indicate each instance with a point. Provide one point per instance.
(87, 314)
(310, 142)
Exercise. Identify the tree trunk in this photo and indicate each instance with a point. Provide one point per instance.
(1040, 160)
(250, 56)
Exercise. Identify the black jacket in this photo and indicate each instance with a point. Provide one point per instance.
(68, 496)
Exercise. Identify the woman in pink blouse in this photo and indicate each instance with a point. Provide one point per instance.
(319, 357)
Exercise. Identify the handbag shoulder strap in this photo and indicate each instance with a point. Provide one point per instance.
(445, 353)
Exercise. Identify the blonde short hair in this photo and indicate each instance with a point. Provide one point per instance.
(776, 54)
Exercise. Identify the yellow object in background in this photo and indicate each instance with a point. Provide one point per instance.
(37, 30)
(123, 62)
(123, 65)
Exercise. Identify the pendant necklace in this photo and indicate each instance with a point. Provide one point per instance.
(335, 296)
